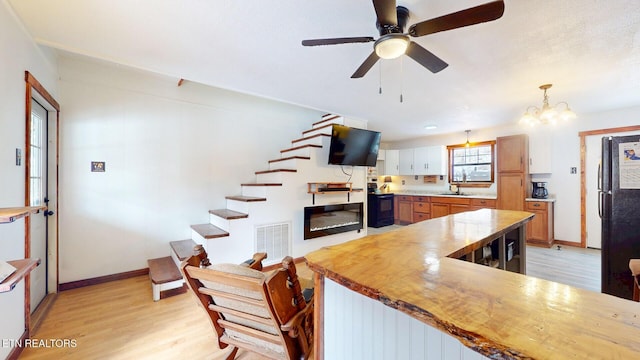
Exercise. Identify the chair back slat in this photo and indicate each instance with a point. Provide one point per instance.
(251, 309)
(240, 314)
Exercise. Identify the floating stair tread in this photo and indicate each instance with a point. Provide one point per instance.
(261, 184)
(301, 147)
(310, 137)
(325, 120)
(275, 171)
(245, 198)
(183, 248)
(163, 270)
(290, 158)
(316, 129)
(209, 231)
(228, 214)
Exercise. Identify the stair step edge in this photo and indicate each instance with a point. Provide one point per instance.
(290, 158)
(245, 198)
(326, 119)
(209, 231)
(261, 184)
(301, 147)
(318, 128)
(228, 214)
(163, 270)
(275, 171)
(183, 248)
(310, 137)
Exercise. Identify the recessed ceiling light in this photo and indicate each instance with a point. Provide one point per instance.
(430, 127)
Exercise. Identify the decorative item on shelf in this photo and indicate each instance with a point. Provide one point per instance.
(547, 114)
(387, 181)
(467, 144)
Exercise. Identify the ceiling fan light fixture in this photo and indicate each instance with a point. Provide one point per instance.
(391, 46)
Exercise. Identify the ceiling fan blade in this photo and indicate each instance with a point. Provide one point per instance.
(366, 65)
(425, 58)
(471, 16)
(386, 12)
(335, 41)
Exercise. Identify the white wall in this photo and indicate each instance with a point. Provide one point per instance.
(17, 54)
(172, 154)
(563, 185)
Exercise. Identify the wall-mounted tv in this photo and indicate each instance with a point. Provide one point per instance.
(353, 146)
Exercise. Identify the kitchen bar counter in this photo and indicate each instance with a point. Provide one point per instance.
(497, 313)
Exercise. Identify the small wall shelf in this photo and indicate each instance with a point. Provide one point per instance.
(8, 215)
(23, 267)
(314, 188)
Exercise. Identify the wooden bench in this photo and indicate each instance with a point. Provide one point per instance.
(165, 276)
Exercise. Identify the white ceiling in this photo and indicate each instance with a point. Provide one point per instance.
(589, 50)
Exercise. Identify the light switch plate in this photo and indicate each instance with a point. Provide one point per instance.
(574, 170)
(18, 157)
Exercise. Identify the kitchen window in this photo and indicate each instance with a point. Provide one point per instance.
(471, 165)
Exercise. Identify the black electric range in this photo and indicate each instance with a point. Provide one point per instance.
(379, 209)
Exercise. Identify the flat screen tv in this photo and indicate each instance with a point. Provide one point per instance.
(353, 146)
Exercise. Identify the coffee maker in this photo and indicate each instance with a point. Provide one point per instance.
(539, 190)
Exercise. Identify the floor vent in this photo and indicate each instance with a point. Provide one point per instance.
(273, 239)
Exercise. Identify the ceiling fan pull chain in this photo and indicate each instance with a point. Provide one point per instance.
(380, 78)
(401, 78)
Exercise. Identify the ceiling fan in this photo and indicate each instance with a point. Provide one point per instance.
(393, 42)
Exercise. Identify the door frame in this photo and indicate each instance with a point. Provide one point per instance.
(583, 176)
(35, 88)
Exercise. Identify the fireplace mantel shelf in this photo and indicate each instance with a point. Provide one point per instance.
(314, 188)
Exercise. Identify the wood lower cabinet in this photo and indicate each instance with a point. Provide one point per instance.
(442, 206)
(482, 204)
(511, 191)
(405, 209)
(540, 228)
(412, 208)
(421, 208)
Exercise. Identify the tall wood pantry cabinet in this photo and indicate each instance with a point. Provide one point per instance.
(512, 161)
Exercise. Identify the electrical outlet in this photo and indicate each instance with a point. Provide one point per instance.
(574, 170)
(402, 181)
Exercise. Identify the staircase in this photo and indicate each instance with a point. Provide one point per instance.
(262, 218)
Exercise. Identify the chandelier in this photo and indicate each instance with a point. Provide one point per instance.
(547, 114)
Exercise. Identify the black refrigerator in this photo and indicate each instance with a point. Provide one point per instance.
(619, 207)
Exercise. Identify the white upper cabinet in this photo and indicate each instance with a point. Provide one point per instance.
(426, 160)
(540, 153)
(430, 160)
(381, 154)
(406, 162)
(391, 162)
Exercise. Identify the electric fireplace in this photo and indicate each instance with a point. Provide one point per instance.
(332, 219)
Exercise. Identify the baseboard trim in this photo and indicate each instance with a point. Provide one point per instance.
(567, 243)
(15, 353)
(102, 279)
(41, 312)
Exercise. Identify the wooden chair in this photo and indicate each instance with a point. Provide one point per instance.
(263, 312)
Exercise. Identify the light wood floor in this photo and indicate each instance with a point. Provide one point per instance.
(119, 320)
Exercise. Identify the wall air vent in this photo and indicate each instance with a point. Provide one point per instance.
(274, 239)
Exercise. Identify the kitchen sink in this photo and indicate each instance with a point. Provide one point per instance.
(449, 193)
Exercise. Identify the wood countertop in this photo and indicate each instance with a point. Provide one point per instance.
(497, 313)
